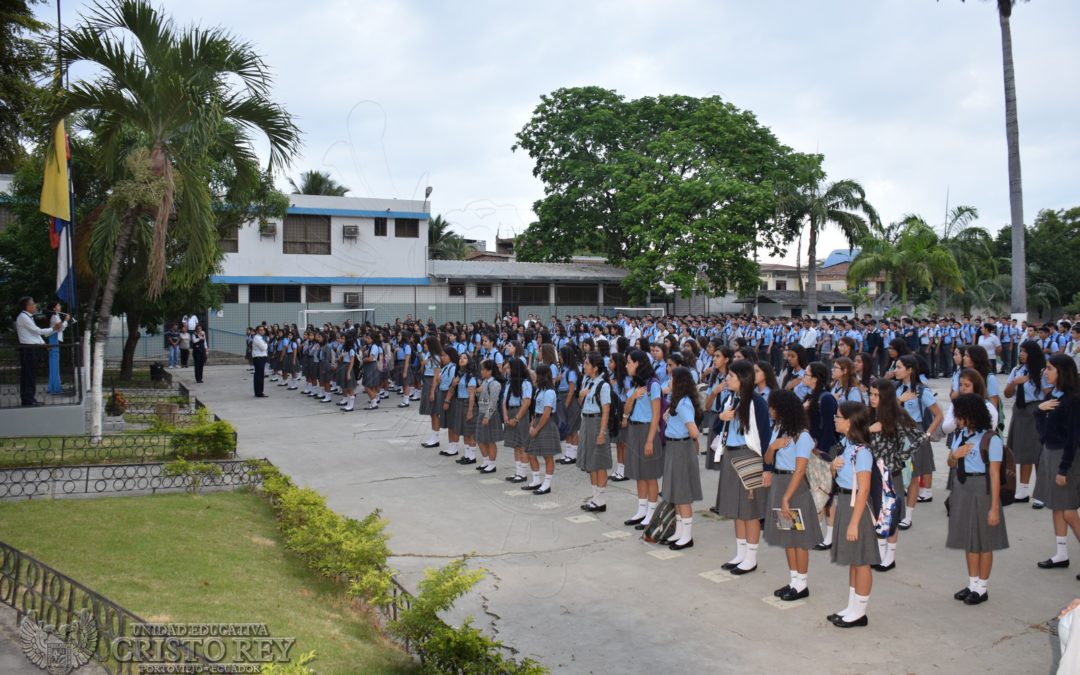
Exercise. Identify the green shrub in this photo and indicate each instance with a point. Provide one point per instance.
(196, 471)
(299, 667)
(203, 438)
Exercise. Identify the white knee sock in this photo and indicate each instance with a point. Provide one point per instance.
(881, 550)
(620, 469)
(828, 535)
(858, 608)
(890, 553)
(535, 482)
(599, 499)
(799, 583)
(973, 583)
(740, 552)
(686, 535)
(678, 529)
(750, 561)
(982, 585)
(850, 602)
(642, 508)
(792, 574)
(571, 451)
(547, 482)
(1062, 549)
(649, 511)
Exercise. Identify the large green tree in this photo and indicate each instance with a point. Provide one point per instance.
(22, 65)
(186, 94)
(444, 243)
(317, 183)
(973, 249)
(672, 188)
(817, 205)
(911, 256)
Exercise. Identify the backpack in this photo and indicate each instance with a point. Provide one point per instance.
(924, 423)
(615, 413)
(1007, 493)
(386, 361)
(882, 502)
(662, 524)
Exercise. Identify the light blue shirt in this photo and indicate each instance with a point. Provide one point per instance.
(857, 459)
(854, 394)
(446, 376)
(545, 399)
(800, 448)
(736, 435)
(1031, 392)
(375, 351)
(642, 411)
(429, 364)
(973, 461)
(463, 386)
(515, 401)
(599, 395)
(914, 406)
(679, 419)
(569, 376)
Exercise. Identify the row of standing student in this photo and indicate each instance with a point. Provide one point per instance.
(646, 461)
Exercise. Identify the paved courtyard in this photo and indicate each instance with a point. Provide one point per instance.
(583, 594)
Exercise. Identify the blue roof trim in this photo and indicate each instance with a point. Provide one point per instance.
(332, 281)
(356, 213)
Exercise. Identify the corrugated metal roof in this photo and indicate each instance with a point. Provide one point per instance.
(525, 271)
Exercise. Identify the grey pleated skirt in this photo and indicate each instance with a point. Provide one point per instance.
(802, 500)
(294, 364)
(343, 377)
(593, 457)
(638, 466)
(923, 459)
(732, 499)
(427, 406)
(571, 416)
(372, 376)
(459, 408)
(546, 442)
(863, 551)
(326, 371)
(517, 436)
(1047, 490)
(969, 504)
(682, 475)
(492, 432)
(1023, 437)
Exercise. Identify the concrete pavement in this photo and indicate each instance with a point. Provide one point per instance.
(583, 594)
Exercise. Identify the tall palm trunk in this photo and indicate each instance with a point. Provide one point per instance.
(811, 270)
(127, 363)
(104, 319)
(1012, 136)
(941, 301)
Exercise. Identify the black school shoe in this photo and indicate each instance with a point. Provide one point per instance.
(976, 598)
(962, 594)
(780, 591)
(566, 460)
(822, 546)
(861, 621)
(791, 594)
(1050, 564)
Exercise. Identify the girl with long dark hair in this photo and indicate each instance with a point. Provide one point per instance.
(622, 384)
(569, 410)
(644, 451)
(919, 402)
(682, 480)
(543, 434)
(1027, 385)
(432, 360)
(1057, 484)
(516, 407)
(745, 437)
(789, 453)
(489, 425)
(595, 448)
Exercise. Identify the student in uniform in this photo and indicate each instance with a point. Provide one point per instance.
(865, 372)
(348, 374)
(445, 399)
(715, 398)
(795, 363)
(489, 427)
(372, 378)
(622, 384)
(431, 358)
(543, 433)
(569, 410)
(856, 547)
(845, 381)
(976, 357)
(1027, 387)
(682, 478)
(976, 521)
(595, 448)
(919, 401)
(746, 436)
(516, 405)
(1058, 482)
(764, 379)
(464, 418)
(403, 366)
(644, 451)
(789, 453)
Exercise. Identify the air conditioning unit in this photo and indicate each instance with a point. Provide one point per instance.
(352, 300)
(350, 231)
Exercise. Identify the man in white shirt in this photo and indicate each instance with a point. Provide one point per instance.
(31, 343)
(258, 359)
(808, 340)
(989, 341)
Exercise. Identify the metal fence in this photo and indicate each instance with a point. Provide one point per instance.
(99, 479)
(52, 598)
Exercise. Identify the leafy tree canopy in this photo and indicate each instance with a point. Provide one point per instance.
(22, 64)
(671, 188)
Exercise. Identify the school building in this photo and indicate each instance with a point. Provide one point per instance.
(342, 253)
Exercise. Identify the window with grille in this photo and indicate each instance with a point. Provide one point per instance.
(273, 293)
(230, 241)
(318, 294)
(483, 290)
(781, 285)
(407, 227)
(380, 227)
(575, 295)
(232, 293)
(308, 235)
(457, 290)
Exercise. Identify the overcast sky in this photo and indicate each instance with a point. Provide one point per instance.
(904, 96)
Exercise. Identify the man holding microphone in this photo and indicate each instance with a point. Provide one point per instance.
(258, 358)
(31, 340)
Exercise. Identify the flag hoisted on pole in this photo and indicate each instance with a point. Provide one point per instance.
(56, 201)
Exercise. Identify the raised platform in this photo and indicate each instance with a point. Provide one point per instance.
(45, 420)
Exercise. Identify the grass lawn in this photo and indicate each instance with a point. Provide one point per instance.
(208, 558)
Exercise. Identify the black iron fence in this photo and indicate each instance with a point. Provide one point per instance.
(54, 451)
(148, 478)
(57, 373)
(52, 598)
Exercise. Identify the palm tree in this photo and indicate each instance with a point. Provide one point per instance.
(443, 243)
(171, 91)
(318, 183)
(915, 258)
(843, 204)
(1012, 138)
(972, 247)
